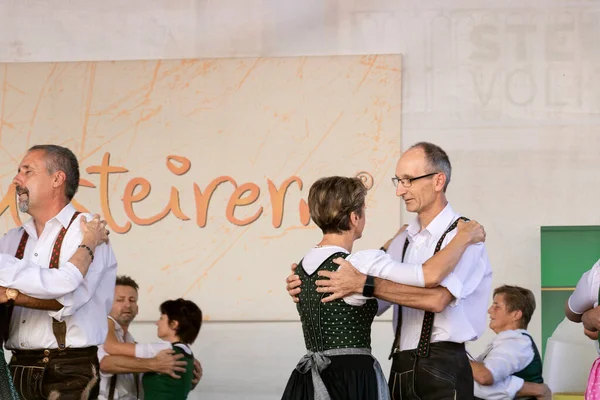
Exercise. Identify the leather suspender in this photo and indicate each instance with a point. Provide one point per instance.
(427, 327)
(59, 328)
(396, 343)
(113, 385)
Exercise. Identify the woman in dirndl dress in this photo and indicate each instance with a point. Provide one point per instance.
(338, 364)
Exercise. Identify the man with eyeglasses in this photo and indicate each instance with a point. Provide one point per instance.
(429, 356)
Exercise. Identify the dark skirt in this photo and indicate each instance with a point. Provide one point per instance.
(7, 390)
(348, 377)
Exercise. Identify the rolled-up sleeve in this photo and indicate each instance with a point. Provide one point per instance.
(586, 292)
(35, 281)
(505, 389)
(101, 353)
(467, 274)
(104, 263)
(454, 286)
(511, 352)
(380, 264)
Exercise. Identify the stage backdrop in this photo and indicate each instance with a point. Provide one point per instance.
(202, 167)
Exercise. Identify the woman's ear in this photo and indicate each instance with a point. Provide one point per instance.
(174, 324)
(354, 218)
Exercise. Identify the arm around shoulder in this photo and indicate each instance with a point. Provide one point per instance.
(113, 346)
(166, 362)
(117, 364)
(434, 299)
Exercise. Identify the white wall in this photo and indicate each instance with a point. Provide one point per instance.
(510, 89)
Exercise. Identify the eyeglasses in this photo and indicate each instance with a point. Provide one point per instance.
(407, 182)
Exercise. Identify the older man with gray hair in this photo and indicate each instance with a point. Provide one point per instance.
(429, 356)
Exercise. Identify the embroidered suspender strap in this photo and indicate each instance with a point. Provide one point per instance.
(113, 386)
(59, 328)
(396, 344)
(21, 249)
(55, 258)
(136, 377)
(425, 340)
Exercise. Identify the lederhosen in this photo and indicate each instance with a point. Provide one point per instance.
(70, 372)
(439, 370)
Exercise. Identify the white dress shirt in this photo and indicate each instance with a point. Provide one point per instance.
(85, 309)
(125, 385)
(585, 295)
(508, 353)
(369, 262)
(29, 278)
(470, 284)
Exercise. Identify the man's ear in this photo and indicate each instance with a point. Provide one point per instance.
(59, 178)
(439, 182)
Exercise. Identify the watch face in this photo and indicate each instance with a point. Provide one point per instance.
(12, 293)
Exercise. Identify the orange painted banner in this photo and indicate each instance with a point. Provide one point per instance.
(202, 167)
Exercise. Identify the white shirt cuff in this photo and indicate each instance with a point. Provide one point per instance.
(356, 300)
(454, 286)
(514, 386)
(74, 272)
(58, 315)
(571, 308)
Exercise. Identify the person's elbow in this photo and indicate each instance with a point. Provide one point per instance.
(571, 316)
(110, 347)
(484, 378)
(432, 279)
(432, 283)
(437, 307)
(441, 300)
(106, 366)
(481, 374)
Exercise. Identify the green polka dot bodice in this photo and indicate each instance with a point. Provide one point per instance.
(333, 325)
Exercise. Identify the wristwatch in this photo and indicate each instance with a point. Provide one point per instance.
(369, 288)
(12, 294)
